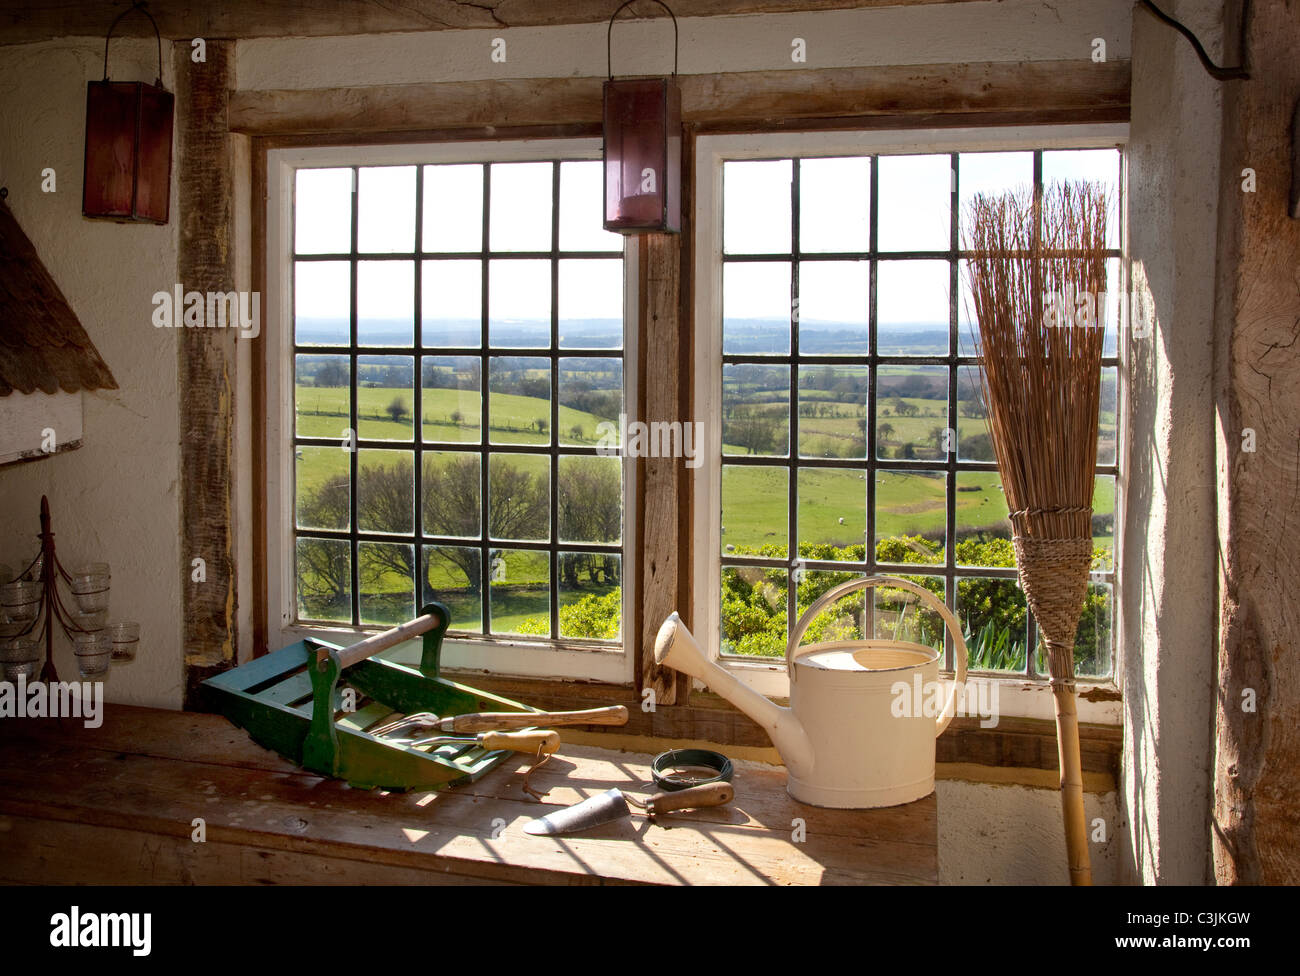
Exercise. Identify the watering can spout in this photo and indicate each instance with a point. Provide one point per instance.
(676, 648)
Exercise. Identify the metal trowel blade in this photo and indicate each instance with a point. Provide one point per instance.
(591, 812)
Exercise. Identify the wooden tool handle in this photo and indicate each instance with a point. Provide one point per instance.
(542, 740)
(707, 795)
(487, 721)
(361, 650)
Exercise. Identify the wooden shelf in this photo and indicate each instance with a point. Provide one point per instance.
(117, 804)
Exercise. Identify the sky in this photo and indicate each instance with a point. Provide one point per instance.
(914, 194)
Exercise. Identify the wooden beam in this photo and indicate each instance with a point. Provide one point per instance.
(1023, 88)
(1257, 767)
(22, 21)
(205, 263)
(659, 477)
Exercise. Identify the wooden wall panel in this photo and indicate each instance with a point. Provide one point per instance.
(1021, 90)
(1257, 766)
(205, 263)
(22, 21)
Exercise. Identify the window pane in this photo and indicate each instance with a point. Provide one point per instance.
(753, 620)
(591, 394)
(898, 614)
(520, 207)
(911, 516)
(832, 513)
(842, 620)
(519, 496)
(994, 619)
(386, 398)
(756, 410)
(322, 396)
(452, 403)
(968, 333)
(519, 303)
(1094, 165)
(911, 411)
(912, 308)
(834, 308)
(992, 174)
(833, 411)
(591, 304)
(387, 571)
(519, 400)
(386, 209)
(1103, 522)
(590, 499)
(915, 203)
(581, 207)
(322, 210)
(974, 442)
(452, 299)
(1114, 306)
(324, 488)
(385, 303)
(520, 600)
(1093, 638)
(452, 577)
(755, 510)
(834, 204)
(323, 572)
(756, 307)
(451, 483)
(453, 208)
(386, 492)
(322, 303)
(983, 521)
(1106, 418)
(591, 599)
(1092, 641)
(756, 207)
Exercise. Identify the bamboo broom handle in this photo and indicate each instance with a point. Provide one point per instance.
(1067, 745)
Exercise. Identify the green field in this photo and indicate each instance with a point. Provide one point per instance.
(324, 412)
(755, 499)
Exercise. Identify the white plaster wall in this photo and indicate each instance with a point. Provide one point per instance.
(1012, 835)
(1169, 597)
(116, 498)
(1008, 30)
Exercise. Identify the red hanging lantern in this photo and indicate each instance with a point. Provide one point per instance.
(643, 148)
(128, 165)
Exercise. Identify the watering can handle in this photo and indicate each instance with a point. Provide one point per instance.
(793, 650)
(372, 645)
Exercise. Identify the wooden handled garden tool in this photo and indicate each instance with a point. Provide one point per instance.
(490, 721)
(613, 805)
(535, 743)
(1032, 260)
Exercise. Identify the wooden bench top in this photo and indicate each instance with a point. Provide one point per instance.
(118, 804)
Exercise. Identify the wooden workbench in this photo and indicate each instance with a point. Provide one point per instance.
(118, 804)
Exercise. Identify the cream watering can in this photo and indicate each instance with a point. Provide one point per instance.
(852, 736)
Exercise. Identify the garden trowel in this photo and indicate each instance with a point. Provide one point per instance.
(613, 805)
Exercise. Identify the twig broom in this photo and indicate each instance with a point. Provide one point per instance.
(1035, 270)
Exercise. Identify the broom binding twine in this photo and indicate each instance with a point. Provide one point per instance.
(1054, 576)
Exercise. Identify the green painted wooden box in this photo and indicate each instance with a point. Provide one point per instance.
(306, 702)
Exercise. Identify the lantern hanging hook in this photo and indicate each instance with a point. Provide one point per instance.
(609, 34)
(141, 6)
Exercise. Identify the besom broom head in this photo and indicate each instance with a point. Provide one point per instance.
(1036, 268)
